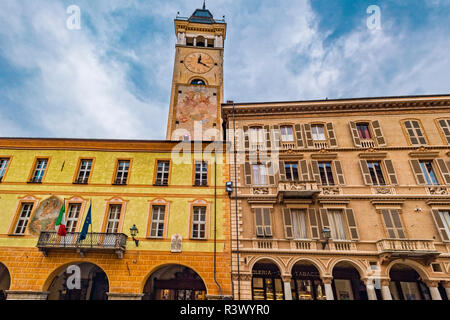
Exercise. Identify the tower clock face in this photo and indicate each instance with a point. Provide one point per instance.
(198, 62)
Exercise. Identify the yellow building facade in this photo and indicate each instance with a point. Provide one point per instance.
(175, 248)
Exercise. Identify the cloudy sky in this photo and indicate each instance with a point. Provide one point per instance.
(112, 78)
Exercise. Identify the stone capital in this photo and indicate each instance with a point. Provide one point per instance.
(431, 283)
(446, 284)
(385, 282)
(327, 280)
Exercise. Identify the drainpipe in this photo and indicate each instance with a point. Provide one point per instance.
(215, 219)
(236, 204)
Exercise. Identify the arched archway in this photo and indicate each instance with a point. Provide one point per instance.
(306, 283)
(266, 281)
(5, 281)
(78, 281)
(174, 282)
(407, 284)
(347, 283)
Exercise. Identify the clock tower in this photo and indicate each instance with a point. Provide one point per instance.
(197, 84)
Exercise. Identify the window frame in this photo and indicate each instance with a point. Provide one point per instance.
(155, 173)
(265, 176)
(446, 221)
(204, 164)
(325, 135)
(290, 164)
(426, 174)
(407, 135)
(76, 221)
(116, 172)
(158, 221)
(330, 163)
(18, 218)
(441, 130)
(292, 133)
(34, 168)
(114, 201)
(77, 172)
(5, 169)
(376, 182)
(369, 130)
(332, 221)
(294, 217)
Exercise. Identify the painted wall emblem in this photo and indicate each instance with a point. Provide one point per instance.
(45, 216)
(176, 243)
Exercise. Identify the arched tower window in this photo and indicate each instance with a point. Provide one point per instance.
(199, 82)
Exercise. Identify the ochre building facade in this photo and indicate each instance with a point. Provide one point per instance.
(341, 199)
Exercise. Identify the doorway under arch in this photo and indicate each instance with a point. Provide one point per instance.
(266, 281)
(174, 282)
(93, 284)
(306, 283)
(5, 281)
(347, 283)
(407, 284)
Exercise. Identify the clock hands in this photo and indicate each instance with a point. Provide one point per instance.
(200, 61)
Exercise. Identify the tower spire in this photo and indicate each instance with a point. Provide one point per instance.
(204, 4)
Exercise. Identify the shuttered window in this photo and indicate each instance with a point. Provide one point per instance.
(331, 135)
(376, 173)
(445, 126)
(415, 132)
(442, 221)
(287, 134)
(318, 132)
(393, 224)
(338, 221)
(326, 174)
(291, 171)
(428, 172)
(337, 224)
(444, 169)
(295, 224)
(263, 222)
(339, 172)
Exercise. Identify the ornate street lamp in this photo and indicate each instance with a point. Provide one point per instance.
(134, 231)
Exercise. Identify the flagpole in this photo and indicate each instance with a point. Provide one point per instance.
(91, 223)
(65, 220)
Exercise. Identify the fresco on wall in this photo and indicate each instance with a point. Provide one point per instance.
(45, 216)
(196, 104)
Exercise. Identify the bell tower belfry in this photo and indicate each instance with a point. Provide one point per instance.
(197, 83)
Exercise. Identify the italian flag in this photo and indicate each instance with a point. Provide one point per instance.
(61, 221)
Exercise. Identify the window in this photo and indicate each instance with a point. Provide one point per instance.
(291, 171)
(299, 224)
(393, 224)
(363, 131)
(256, 136)
(72, 217)
(337, 224)
(189, 41)
(445, 126)
(199, 223)
(259, 175)
(428, 172)
(162, 173)
(3, 166)
(113, 218)
(287, 134)
(201, 173)
(22, 222)
(415, 132)
(445, 217)
(263, 223)
(318, 132)
(376, 173)
(200, 41)
(84, 172)
(157, 225)
(199, 82)
(39, 170)
(123, 168)
(326, 173)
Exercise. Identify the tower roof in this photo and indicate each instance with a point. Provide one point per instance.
(202, 16)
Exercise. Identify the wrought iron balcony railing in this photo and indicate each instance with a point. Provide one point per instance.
(114, 242)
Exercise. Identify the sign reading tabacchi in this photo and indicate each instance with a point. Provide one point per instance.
(45, 216)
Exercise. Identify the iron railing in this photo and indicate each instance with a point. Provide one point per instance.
(94, 241)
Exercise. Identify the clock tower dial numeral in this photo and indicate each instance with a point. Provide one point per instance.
(198, 62)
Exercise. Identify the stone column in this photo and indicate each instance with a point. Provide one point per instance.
(328, 288)
(287, 287)
(446, 285)
(385, 291)
(370, 289)
(433, 286)
(26, 295)
(124, 296)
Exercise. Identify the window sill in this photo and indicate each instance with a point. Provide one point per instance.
(34, 182)
(203, 240)
(80, 183)
(119, 184)
(200, 186)
(160, 185)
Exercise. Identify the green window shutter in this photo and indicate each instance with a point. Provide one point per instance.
(339, 172)
(355, 135)
(417, 170)
(331, 135)
(352, 224)
(299, 136)
(365, 173)
(391, 172)
(440, 225)
(445, 172)
(308, 135)
(314, 224)
(381, 141)
(288, 231)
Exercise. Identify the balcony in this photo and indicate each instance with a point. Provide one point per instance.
(297, 190)
(321, 144)
(255, 147)
(288, 145)
(94, 242)
(407, 248)
(367, 143)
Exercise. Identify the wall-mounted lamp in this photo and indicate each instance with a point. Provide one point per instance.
(134, 231)
(418, 210)
(326, 235)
